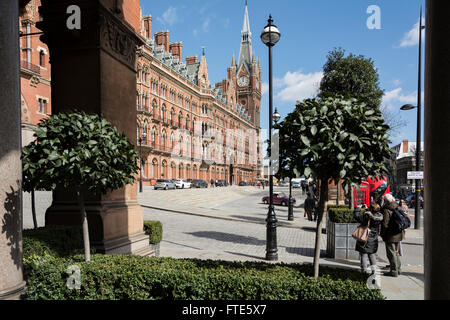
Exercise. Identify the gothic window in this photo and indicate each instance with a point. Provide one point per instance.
(42, 58)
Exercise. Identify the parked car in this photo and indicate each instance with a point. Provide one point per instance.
(243, 183)
(283, 184)
(182, 184)
(278, 198)
(197, 183)
(164, 184)
(411, 201)
(296, 184)
(222, 183)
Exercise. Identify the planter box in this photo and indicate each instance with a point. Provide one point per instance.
(340, 243)
(155, 249)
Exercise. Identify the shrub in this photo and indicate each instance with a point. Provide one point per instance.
(154, 230)
(342, 215)
(56, 241)
(148, 278)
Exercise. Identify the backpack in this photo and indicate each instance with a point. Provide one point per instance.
(400, 221)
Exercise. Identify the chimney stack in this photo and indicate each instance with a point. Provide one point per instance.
(162, 38)
(405, 146)
(176, 50)
(191, 60)
(148, 26)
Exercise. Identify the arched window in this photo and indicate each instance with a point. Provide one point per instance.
(163, 140)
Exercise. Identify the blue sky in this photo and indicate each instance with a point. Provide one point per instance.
(309, 30)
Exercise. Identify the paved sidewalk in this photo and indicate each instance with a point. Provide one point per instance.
(229, 224)
(191, 232)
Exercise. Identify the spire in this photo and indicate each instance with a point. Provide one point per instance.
(233, 61)
(245, 54)
(246, 34)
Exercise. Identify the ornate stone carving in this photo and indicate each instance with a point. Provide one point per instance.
(34, 81)
(118, 42)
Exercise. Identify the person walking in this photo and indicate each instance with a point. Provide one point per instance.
(309, 206)
(367, 251)
(390, 236)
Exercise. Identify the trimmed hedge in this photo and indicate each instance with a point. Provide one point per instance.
(58, 241)
(154, 230)
(342, 215)
(337, 206)
(127, 277)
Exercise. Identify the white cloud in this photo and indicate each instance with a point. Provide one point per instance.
(411, 38)
(264, 88)
(169, 17)
(298, 86)
(397, 82)
(394, 99)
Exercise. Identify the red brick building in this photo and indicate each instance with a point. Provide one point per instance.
(34, 72)
(189, 128)
(192, 129)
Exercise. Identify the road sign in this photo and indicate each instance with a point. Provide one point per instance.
(415, 175)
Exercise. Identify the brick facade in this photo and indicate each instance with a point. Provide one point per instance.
(192, 129)
(34, 72)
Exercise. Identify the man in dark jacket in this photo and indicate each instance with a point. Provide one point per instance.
(390, 236)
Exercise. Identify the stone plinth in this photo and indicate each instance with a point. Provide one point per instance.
(11, 268)
(93, 69)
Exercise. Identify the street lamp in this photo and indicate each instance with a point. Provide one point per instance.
(417, 213)
(144, 135)
(270, 36)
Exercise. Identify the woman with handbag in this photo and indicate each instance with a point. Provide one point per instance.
(367, 233)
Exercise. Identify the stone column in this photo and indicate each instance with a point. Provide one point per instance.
(93, 69)
(11, 268)
(437, 151)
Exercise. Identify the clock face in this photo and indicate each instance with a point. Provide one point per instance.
(242, 81)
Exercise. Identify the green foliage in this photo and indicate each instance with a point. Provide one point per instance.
(335, 139)
(54, 241)
(351, 76)
(342, 215)
(154, 230)
(127, 277)
(76, 149)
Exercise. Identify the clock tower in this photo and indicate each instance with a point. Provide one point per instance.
(248, 75)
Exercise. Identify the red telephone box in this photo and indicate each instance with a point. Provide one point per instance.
(370, 190)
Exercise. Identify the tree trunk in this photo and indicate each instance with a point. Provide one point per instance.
(33, 209)
(84, 221)
(352, 197)
(323, 201)
(338, 192)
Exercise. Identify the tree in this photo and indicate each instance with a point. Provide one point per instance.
(84, 152)
(352, 77)
(333, 139)
(29, 186)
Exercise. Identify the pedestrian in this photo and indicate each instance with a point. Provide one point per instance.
(390, 236)
(405, 210)
(316, 207)
(309, 206)
(303, 188)
(367, 251)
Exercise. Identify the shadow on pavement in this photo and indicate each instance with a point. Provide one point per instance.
(306, 252)
(263, 220)
(246, 255)
(228, 237)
